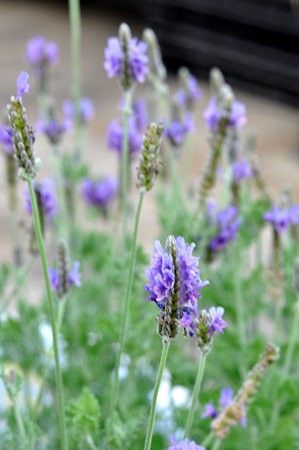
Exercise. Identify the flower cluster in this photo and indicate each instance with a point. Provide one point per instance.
(227, 222)
(52, 127)
(241, 170)
(115, 136)
(209, 322)
(100, 193)
(148, 167)
(126, 58)
(282, 217)
(23, 138)
(184, 445)
(23, 86)
(235, 411)
(190, 92)
(215, 113)
(86, 110)
(225, 399)
(62, 279)
(174, 284)
(40, 54)
(6, 138)
(46, 197)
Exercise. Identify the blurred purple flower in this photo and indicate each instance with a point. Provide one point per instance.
(6, 138)
(184, 445)
(177, 130)
(294, 214)
(226, 397)
(40, 52)
(191, 94)
(241, 170)
(53, 128)
(280, 218)
(115, 135)
(46, 190)
(228, 223)
(141, 114)
(100, 193)
(213, 114)
(216, 322)
(86, 109)
(73, 277)
(137, 59)
(209, 411)
(23, 86)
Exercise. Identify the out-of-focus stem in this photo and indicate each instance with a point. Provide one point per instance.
(126, 112)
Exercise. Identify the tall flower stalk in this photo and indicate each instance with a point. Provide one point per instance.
(208, 323)
(126, 59)
(28, 167)
(147, 171)
(174, 285)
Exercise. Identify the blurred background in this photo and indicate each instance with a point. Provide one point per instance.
(255, 43)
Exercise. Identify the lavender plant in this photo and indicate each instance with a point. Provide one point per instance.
(99, 339)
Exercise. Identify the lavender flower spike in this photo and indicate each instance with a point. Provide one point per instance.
(46, 195)
(100, 193)
(174, 285)
(126, 58)
(115, 136)
(190, 92)
(241, 170)
(86, 110)
(184, 445)
(209, 322)
(61, 278)
(23, 86)
(280, 218)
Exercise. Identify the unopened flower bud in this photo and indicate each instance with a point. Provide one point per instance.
(149, 164)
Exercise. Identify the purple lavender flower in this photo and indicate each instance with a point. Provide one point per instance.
(6, 138)
(280, 218)
(115, 135)
(40, 52)
(294, 214)
(86, 110)
(228, 223)
(23, 86)
(216, 322)
(184, 445)
(209, 411)
(100, 193)
(226, 398)
(191, 93)
(141, 114)
(241, 170)
(53, 128)
(213, 114)
(137, 59)
(73, 277)
(48, 198)
(162, 280)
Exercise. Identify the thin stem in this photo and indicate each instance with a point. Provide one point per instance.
(195, 394)
(52, 313)
(20, 423)
(126, 112)
(208, 439)
(238, 298)
(125, 313)
(217, 444)
(152, 416)
(75, 36)
(291, 342)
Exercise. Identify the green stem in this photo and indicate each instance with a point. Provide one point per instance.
(75, 36)
(238, 298)
(292, 342)
(195, 394)
(20, 423)
(125, 313)
(217, 444)
(126, 112)
(152, 416)
(52, 313)
(208, 439)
